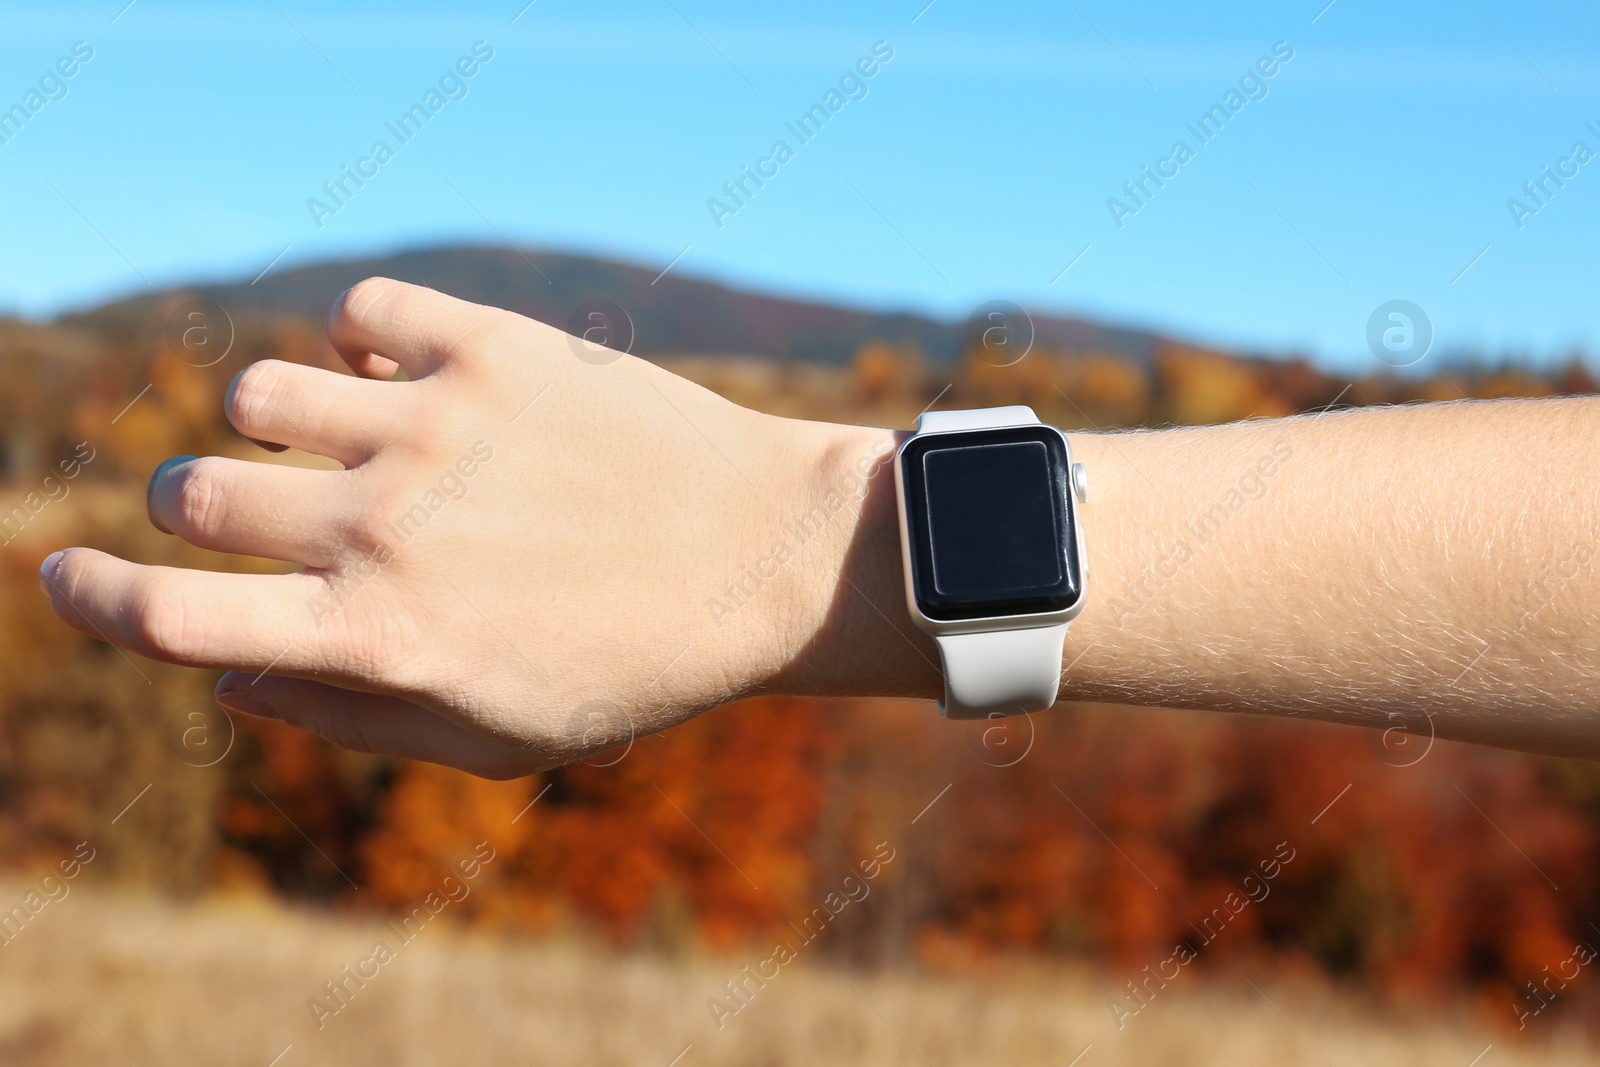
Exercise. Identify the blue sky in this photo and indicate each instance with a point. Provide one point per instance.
(979, 163)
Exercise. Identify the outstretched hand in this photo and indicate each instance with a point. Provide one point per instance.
(537, 548)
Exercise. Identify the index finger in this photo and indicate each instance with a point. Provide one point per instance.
(380, 325)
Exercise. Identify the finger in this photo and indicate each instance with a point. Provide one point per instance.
(368, 722)
(197, 618)
(252, 509)
(312, 409)
(416, 328)
(368, 365)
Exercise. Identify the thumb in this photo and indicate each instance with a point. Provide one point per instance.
(370, 722)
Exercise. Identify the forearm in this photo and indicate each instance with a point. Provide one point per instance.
(1378, 567)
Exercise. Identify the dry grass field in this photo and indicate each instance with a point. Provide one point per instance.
(102, 978)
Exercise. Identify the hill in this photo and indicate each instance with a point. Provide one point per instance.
(672, 313)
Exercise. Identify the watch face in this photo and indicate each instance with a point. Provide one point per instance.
(989, 523)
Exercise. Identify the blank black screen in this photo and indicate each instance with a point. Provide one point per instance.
(991, 520)
(989, 523)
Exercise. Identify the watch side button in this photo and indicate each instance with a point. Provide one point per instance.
(1080, 482)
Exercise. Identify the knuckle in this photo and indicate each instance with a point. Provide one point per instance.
(374, 642)
(200, 496)
(483, 339)
(379, 653)
(254, 392)
(163, 626)
(366, 300)
(371, 531)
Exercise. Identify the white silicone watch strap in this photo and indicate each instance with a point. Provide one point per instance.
(1000, 672)
(1004, 672)
(976, 419)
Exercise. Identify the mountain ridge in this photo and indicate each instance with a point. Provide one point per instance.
(670, 313)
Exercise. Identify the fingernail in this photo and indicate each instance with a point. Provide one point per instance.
(162, 467)
(247, 704)
(47, 569)
(338, 303)
(149, 487)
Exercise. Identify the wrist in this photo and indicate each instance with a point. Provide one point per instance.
(845, 623)
(848, 629)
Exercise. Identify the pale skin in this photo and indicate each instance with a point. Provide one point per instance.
(530, 556)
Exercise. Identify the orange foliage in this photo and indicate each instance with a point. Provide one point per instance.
(1104, 390)
(1098, 831)
(718, 812)
(1200, 387)
(881, 370)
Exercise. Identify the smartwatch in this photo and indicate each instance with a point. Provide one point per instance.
(993, 553)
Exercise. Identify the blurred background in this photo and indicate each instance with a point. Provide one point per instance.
(1122, 215)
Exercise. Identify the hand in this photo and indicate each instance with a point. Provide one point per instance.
(528, 556)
